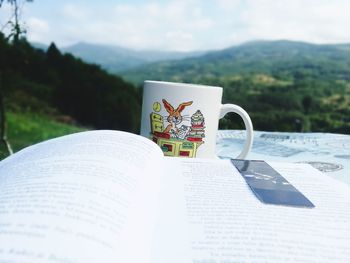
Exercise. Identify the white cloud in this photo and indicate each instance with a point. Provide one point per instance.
(318, 21)
(192, 24)
(228, 5)
(38, 24)
(5, 14)
(144, 26)
(180, 40)
(75, 12)
(37, 29)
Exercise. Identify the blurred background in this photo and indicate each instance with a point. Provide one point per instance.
(68, 66)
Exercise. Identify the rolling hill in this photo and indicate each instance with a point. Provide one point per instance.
(281, 59)
(116, 59)
(284, 85)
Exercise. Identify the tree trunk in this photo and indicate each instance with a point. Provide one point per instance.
(3, 126)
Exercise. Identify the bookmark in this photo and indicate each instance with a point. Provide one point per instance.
(269, 186)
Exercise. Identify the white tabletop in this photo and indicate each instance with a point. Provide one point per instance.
(330, 153)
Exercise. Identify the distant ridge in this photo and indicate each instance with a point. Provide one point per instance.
(267, 57)
(116, 59)
(254, 56)
(38, 45)
(284, 85)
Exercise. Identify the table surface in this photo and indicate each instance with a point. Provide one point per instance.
(328, 152)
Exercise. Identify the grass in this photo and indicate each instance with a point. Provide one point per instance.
(24, 129)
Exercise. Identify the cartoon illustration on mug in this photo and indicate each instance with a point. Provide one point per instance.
(176, 133)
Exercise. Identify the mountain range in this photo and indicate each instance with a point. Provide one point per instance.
(116, 59)
(275, 58)
(281, 59)
(284, 85)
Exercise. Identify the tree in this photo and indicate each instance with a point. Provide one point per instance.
(14, 22)
(307, 101)
(3, 130)
(16, 32)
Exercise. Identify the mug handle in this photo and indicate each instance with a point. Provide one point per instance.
(226, 108)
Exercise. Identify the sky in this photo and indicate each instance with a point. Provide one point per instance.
(183, 25)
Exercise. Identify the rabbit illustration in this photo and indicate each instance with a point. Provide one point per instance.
(175, 117)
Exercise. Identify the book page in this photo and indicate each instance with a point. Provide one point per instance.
(223, 221)
(87, 197)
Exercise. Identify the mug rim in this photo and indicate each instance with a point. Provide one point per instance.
(181, 84)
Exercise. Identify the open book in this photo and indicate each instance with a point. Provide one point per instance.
(109, 196)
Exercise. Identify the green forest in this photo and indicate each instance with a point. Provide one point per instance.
(51, 82)
(48, 85)
(284, 86)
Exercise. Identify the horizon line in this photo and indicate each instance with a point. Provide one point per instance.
(189, 51)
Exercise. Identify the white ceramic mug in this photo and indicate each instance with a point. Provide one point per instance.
(183, 119)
